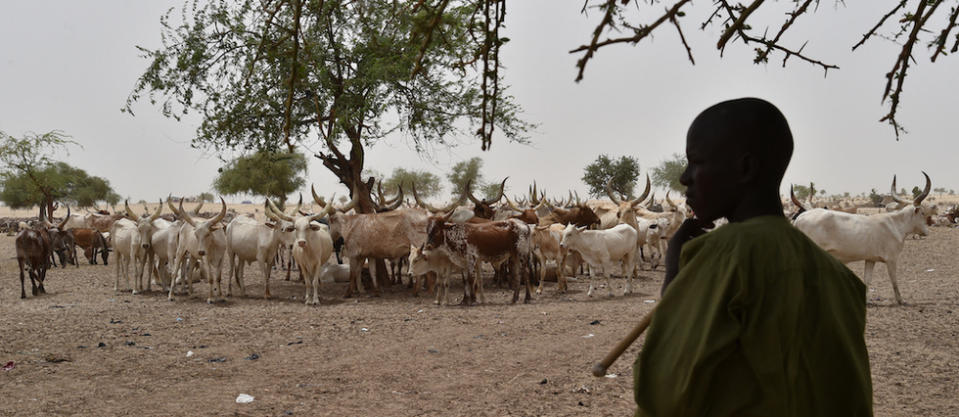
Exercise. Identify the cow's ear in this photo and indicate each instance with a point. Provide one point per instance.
(290, 229)
(315, 227)
(917, 210)
(270, 225)
(215, 227)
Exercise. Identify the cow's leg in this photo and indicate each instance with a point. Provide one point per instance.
(266, 286)
(542, 274)
(480, 291)
(589, 291)
(150, 258)
(23, 293)
(289, 261)
(628, 267)
(867, 276)
(205, 266)
(173, 279)
(356, 265)
(891, 270)
(33, 282)
(116, 284)
(607, 273)
(315, 276)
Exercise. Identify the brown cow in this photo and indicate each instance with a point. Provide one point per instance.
(580, 215)
(33, 253)
(484, 208)
(92, 242)
(467, 245)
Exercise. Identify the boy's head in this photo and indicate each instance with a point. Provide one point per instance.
(734, 149)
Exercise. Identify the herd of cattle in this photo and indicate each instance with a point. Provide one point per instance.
(521, 239)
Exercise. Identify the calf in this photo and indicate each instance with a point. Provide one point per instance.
(602, 248)
(423, 262)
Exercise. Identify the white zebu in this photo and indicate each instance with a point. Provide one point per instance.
(876, 238)
(602, 248)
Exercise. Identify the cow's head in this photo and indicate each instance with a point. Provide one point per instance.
(625, 210)
(145, 227)
(484, 208)
(283, 227)
(419, 261)
(571, 233)
(526, 215)
(204, 231)
(435, 227)
(918, 213)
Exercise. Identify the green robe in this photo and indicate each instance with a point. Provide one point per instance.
(759, 322)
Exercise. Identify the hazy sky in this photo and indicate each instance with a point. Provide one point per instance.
(70, 65)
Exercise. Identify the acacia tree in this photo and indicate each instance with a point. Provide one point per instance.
(31, 176)
(267, 174)
(427, 183)
(621, 174)
(668, 172)
(341, 74)
(914, 27)
(470, 171)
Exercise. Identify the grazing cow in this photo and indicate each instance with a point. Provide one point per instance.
(312, 244)
(876, 238)
(468, 244)
(92, 242)
(602, 248)
(203, 242)
(32, 254)
(61, 242)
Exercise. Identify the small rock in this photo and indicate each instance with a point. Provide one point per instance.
(131, 343)
(217, 360)
(81, 347)
(588, 336)
(244, 399)
(649, 301)
(101, 345)
(146, 334)
(54, 358)
(112, 321)
(252, 357)
(543, 382)
(9, 366)
(432, 351)
(364, 329)
(189, 353)
(611, 376)
(594, 322)
(581, 404)
(56, 306)
(288, 413)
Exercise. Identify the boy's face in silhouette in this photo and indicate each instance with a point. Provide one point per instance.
(711, 175)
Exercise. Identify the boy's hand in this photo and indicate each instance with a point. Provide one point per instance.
(691, 228)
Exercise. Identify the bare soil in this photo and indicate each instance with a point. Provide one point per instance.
(400, 355)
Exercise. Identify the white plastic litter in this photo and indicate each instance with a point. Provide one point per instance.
(649, 301)
(189, 353)
(588, 336)
(364, 329)
(611, 375)
(930, 270)
(244, 399)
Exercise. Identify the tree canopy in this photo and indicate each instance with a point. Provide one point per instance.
(735, 21)
(427, 183)
(31, 176)
(623, 172)
(263, 173)
(341, 74)
(667, 173)
(470, 170)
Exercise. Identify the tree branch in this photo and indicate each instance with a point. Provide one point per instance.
(941, 40)
(298, 8)
(878, 25)
(902, 64)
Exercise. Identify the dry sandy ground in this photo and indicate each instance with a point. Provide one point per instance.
(399, 355)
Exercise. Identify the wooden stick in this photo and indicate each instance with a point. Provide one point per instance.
(599, 369)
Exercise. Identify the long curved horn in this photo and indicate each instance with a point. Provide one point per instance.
(316, 197)
(502, 188)
(892, 193)
(578, 202)
(670, 202)
(469, 192)
(299, 205)
(511, 205)
(222, 213)
(156, 215)
(328, 210)
(533, 197)
(925, 191)
(379, 194)
(396, 202)
(353, 201)
(65, 219)
(185, 217)
(269, 213)
(133, 216)
(169, 203)
(642, 198)
(196, 211)
(279, 213)
(610, 193)
(795, 200)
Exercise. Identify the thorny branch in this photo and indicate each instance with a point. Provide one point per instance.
(735, 19)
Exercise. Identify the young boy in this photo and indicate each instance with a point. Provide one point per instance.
(758, 321)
